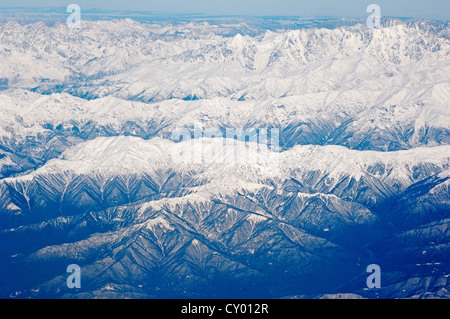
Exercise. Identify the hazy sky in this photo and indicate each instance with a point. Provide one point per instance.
(432, 9)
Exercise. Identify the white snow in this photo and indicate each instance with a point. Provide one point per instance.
(159, 221)
(106, 157)
(256, 218)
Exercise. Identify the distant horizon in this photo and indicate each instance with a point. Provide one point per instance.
(100, 14)
(438, 10)
(273, 23)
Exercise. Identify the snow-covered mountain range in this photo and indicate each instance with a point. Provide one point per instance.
(90, 172)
